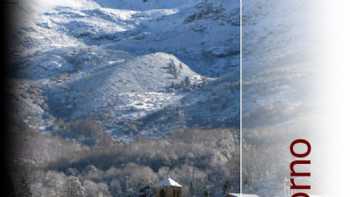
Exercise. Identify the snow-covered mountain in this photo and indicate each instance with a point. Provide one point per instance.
(152, 63)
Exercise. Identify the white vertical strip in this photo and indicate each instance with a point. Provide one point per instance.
(333, 54)
(241, 97)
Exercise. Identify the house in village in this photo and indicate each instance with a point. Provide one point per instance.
(169, 188)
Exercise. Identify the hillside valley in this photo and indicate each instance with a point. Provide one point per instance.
(111, 96)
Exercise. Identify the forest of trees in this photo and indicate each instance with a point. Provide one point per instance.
(81, 162)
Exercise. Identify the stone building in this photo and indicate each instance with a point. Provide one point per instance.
(169, 188)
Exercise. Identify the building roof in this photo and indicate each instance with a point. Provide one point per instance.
(169, 182)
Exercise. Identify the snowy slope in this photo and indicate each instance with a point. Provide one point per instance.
(212, 106)
(121, 62)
